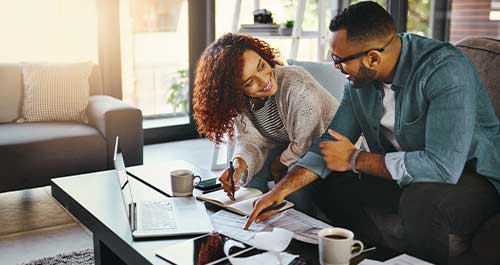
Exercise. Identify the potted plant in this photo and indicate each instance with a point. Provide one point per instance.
(286, 28)
(178, 94)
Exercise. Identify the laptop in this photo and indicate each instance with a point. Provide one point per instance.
(160, 218)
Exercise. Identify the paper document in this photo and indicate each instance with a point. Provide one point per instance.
(263, 258)
(276, 241)
(232, 224)
(371, 262)
(403, 259)
(304, 227)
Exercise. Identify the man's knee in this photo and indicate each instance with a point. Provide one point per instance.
(423, 204)
(334, 189)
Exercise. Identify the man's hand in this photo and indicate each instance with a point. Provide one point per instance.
(294, 180)
(278, 170)
(239, 168)
(268, 200)
(337, 154)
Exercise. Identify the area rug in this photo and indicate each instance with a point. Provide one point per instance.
(82, 257)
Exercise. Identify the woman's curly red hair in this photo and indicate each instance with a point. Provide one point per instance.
(218, 92)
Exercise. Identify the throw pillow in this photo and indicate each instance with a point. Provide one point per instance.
(55, 91)
(326, 74)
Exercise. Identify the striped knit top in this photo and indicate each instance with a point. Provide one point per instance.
(268, 121)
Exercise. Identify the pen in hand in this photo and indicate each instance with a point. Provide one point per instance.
(267, 209)
(273, 207)
(231, 173)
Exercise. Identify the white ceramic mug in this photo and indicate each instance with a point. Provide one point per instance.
(336, 246)
(182, 182)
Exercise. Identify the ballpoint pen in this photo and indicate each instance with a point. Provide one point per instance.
(231, 173)
(273, 207)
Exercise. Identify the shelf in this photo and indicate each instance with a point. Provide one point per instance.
(265, 35)
(297, 33)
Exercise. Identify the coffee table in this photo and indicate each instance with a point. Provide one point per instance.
(95, 200)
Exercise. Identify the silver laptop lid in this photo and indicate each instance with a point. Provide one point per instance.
(121, 171)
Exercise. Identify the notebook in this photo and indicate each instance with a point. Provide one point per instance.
(243, 203)
(160, 218)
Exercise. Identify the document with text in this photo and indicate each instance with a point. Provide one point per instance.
(304, 227)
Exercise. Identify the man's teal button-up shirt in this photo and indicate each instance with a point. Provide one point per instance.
(443, 116)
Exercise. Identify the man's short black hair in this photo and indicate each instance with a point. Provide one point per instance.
(364, 21)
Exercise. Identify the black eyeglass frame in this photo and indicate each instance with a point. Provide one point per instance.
(359, 54)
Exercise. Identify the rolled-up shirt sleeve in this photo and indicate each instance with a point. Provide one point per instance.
(395, 163)
(315, 163)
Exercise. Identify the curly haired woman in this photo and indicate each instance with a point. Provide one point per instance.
(273, 112)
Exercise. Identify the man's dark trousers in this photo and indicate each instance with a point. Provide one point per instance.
(429, 211)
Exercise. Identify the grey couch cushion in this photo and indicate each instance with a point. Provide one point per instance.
(326, 74)
(485, 54)
(32, 153)
(11, 90)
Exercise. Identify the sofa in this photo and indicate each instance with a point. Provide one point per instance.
(33, 153)
(483, 247)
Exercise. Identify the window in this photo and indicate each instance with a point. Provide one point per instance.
(418, 17)
(48, 30)
(155, 59)
(380, 2)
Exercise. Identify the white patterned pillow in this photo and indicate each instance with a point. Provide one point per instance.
(55, 91)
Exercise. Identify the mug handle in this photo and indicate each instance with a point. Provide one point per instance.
(358, 251)
(199, 180)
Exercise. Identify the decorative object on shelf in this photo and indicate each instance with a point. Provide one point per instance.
(262, 16)
(286, 28)
(178, 94)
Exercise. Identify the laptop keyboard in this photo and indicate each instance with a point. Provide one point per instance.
(158, 215)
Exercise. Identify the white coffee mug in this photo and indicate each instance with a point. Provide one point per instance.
(336, 246)
(182, 182)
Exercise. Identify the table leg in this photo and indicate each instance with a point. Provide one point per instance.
(103, 255)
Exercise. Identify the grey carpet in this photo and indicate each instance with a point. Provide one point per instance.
(83, 257)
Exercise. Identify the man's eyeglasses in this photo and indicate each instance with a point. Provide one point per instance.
(337, 60)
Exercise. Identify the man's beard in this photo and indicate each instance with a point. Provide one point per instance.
(364, 77)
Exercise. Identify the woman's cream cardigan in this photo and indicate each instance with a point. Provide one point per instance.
(306, 110)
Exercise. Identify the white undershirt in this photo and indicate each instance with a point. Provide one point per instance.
(388, 116)
(394, 161)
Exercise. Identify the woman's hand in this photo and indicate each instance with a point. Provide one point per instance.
(278, 170)
(239, 166)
